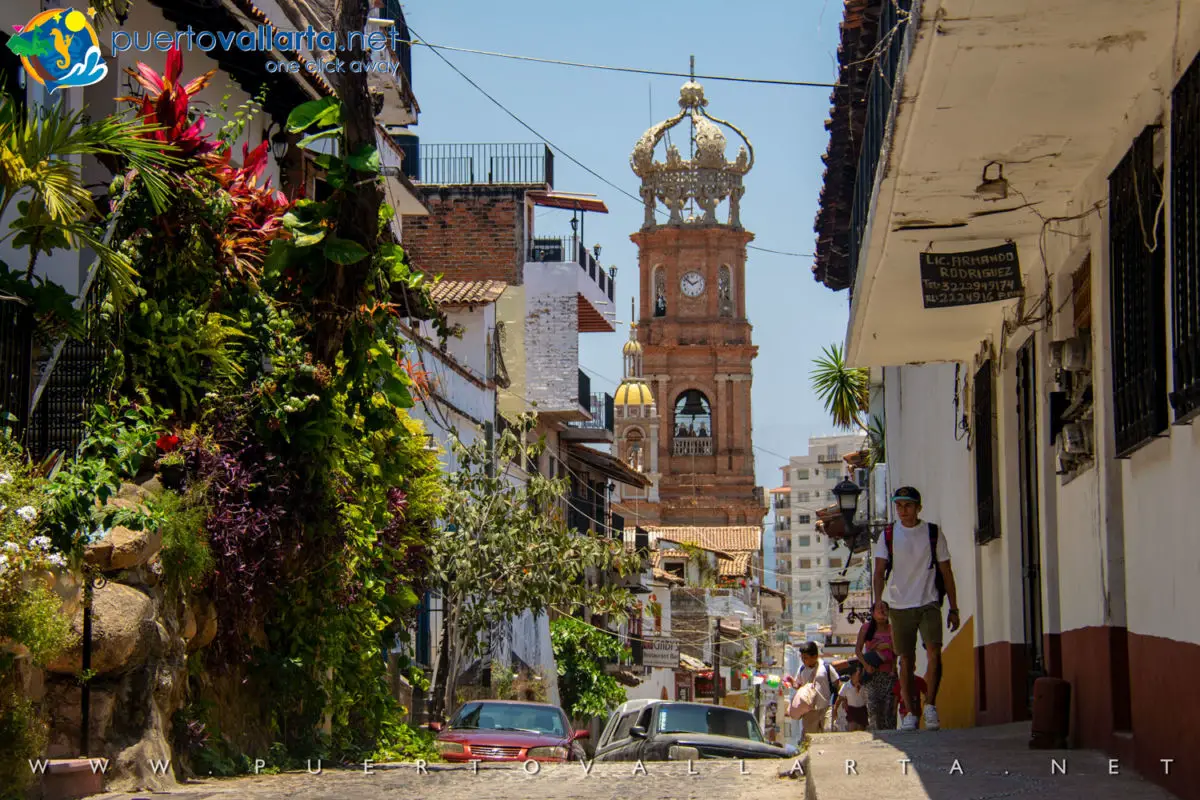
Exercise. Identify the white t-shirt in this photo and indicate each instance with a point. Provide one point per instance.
(824, 690)
(855, 695)
(911, 584)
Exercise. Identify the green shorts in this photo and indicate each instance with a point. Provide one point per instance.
(907, 622)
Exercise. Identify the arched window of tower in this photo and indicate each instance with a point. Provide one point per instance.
(633, 450)
(660, 291)
(693, 434)
(725, 291)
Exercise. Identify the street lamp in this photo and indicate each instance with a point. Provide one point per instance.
(847, 493)
(840, 589)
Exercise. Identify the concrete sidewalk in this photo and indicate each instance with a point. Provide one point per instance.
(965, 764)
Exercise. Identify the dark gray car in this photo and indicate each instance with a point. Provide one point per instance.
(660, 730)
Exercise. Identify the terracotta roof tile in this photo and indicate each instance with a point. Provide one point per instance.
(663, 575)
(729, 538)
(738, 567)
(466, 293)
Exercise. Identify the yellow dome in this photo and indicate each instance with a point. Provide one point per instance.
(632, 348)
(633, 393)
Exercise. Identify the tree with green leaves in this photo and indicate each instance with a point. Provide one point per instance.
(844, 391)
(504, 549)
(580, 651)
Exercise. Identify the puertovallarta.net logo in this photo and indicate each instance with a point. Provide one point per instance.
(59, 48)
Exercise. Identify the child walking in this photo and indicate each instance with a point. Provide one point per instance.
(878, 658)
(853, 698)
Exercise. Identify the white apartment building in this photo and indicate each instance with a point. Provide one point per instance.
(804, 558)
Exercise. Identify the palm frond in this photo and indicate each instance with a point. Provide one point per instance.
(844, 391)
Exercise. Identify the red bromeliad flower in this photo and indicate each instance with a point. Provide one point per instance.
(167, 442)
(257, 214)
(165, 104)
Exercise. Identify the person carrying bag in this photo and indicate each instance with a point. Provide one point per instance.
(814, 697)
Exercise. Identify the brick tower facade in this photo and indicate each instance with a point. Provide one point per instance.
(694, 347)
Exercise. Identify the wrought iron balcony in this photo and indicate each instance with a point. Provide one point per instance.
(486, 164)
(894, 20)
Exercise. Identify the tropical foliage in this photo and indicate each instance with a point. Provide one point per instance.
(30, 620)
(581, 651)
(307, 496)
(506, 550)
(844, 391)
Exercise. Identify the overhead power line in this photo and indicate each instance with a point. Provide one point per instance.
(634, 70)
(564, 153)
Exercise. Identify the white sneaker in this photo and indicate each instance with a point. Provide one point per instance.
(931, 718)
(909, 723)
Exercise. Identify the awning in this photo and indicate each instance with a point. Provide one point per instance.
(609, 466)
(569, 200)
(691, 664)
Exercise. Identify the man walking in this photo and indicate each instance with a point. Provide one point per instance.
(913, 559)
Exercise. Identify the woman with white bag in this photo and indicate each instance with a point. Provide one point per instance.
(818, 681)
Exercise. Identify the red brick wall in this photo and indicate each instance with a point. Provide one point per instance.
(471, 233)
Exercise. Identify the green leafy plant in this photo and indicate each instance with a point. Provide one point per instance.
(186, 557)
(844, 391)
(580, 651)
(505, 550)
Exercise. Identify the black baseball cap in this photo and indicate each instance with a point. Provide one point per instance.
(908, 494)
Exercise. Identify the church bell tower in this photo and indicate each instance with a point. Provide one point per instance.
(692, 340)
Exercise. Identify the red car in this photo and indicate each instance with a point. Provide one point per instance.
(504, 730)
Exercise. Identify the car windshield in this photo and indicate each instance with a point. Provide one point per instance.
(714, 720)
(510, 717)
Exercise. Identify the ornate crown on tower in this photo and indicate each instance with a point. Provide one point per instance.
(707, 177)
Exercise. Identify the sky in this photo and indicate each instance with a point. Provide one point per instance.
(597, 116)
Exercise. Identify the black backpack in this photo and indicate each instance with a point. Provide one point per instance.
(938, 581)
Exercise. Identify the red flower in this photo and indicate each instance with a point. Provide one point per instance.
(168, 442)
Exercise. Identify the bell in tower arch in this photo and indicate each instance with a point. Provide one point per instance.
(693, 404)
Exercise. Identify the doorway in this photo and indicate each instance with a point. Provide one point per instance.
(1031, 536)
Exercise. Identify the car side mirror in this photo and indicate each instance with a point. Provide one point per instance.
(637, 732)
(435, 727)
(582, 733)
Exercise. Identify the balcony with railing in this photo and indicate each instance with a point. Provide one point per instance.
(893, 25)
(829, 458)
(595, 285)
(522, 164)
(599, 406)
(692, 446)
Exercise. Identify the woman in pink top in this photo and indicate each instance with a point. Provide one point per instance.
(874, 650)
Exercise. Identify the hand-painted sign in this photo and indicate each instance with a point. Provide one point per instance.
(965, 279)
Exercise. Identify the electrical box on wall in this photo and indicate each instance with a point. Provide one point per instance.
(1071, 408)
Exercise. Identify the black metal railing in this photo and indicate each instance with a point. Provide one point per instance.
(585, 389)
(1137, 274)
(563, 249)
(987, 509)
(50, 415)
(16, 362)
(600, 406)
(471, 164)
(893, 28)
(1185, 235)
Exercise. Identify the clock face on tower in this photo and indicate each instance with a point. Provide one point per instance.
(692, 284)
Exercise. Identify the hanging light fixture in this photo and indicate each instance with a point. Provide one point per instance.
(840, 589)
(993, 188)
(279, 145)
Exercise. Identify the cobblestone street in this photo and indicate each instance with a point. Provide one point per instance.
(610, 781)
